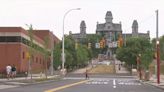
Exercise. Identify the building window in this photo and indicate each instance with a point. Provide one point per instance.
(10, 39)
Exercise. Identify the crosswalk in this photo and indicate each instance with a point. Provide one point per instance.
(106, 81)
(118, 82)
(3, 86)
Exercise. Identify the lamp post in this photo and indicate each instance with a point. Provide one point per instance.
(158, 62)
(158, 50)
(63, 54)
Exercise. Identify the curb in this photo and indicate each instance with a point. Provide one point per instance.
(46, 81)
(147, 83)
(152, 85)
(26, 82)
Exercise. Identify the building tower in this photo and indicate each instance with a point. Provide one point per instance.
(82, 28)
(108, 17)
(135, 28)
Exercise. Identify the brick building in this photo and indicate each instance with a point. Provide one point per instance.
(14, 45)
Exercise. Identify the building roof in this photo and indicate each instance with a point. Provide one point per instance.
(100, 26)
(109, 14)
(82, 24)
(135, 23)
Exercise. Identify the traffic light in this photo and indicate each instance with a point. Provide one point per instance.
(120, 41)
(89, 45)
(101, 44)
(118, 44)
(103, 40)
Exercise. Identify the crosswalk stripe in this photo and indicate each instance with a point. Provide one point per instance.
(7, 86)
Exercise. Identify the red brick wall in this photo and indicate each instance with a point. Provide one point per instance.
(13, 53)
(9, 54)
(43, 33)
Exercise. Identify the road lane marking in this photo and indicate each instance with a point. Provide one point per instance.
(130, 83)
(114, 83)
(98, 82)
(66, 86)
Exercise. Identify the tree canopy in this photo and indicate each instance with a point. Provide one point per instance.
(135, 47)
(77, 54)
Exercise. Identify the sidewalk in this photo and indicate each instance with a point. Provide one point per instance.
(26, 80)
(153, 82)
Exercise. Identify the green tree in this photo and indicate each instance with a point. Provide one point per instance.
(57, 56)
(161, 47)
(161, 44)
(31, 51)
(82, 54)
(93, 39)
(70, 52)
(134, 47)
(46, 53)
(76, 57)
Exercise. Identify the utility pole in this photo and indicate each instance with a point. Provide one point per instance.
(158, 50)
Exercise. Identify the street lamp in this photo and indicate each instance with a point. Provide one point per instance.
(158, 62)
(157, 49)
(63, 54)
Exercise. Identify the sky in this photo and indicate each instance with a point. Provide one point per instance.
(48, 14)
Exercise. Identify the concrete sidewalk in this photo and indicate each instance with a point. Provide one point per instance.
(22, 81)
(25, 80)
(153, 82)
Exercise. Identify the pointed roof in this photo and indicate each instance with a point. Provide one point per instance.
(135, 23)
(82, 24)
(109, 14)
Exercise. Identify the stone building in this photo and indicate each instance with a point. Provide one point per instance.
(79, 37)
(110, 31)
(135, 32)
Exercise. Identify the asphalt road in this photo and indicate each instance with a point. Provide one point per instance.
(96, 83)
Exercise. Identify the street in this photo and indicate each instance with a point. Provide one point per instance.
(96, 83)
